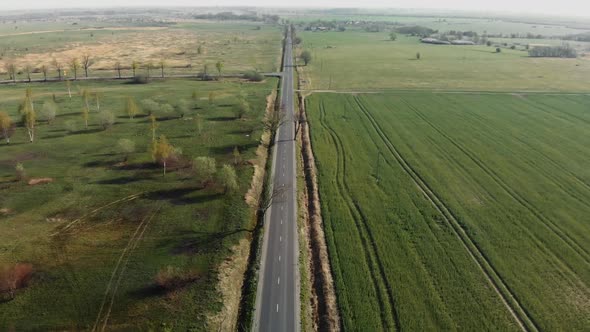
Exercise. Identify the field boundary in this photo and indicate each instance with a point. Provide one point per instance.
(510, 301)
(325, 301)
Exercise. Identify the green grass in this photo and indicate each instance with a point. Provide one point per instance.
(507, 181)
(356, 60)
(193, 228)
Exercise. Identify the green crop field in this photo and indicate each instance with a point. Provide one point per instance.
(449, 211)
(110, 222)
(360, 61)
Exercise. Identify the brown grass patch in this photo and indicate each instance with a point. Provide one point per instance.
(34, 182)
(13, 278)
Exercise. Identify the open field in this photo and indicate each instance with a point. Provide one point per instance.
(239, 45)
(101, 233)
(357, 60)
(449, 211)
(547, 26)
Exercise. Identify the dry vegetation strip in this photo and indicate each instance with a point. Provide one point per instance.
(325, 307)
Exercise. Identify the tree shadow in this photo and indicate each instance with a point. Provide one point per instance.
(121, 180)
(182, 196)
(147, 292)
(138, 166)
(219, 150)
(205, 242)
(222, 118)
(98, 163)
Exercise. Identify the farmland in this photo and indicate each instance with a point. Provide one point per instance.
(110, 227)
(456, 211)
(356, 60)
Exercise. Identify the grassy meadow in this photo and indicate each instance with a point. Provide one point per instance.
(449, 211)
(355, 60)
(111, 223)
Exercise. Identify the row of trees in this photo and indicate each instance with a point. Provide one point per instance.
(563, 51)
(84, 63)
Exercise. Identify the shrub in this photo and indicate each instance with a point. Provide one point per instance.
(228, 178)
(48, 111)
(498, 50)
(181, 108)
(205, 168)
(71, 126)
(126, 146)
(106, 119)
(150, 106)
(21, 173)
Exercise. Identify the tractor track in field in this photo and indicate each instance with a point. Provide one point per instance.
(370, 251)
(112, 287)
(482, 122)
(551, 226)
(96, 210)
(510, 301)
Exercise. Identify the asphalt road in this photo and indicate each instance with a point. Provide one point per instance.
(277, 300)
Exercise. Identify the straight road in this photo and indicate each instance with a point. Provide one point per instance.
(277, 299)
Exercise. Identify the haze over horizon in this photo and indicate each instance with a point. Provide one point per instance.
(564, 7)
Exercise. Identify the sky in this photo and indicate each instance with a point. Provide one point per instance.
(554, 7)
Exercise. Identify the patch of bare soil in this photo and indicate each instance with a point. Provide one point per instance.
(34, 182)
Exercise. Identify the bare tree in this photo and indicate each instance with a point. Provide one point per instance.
(134, 66)
(270, 196)
(11, 70)
(162, 64)
(28, 70)
(298, 120)
(74, 66)
(86, 63)
(44, 70)
(274, 122)
(58, 66)
(118, 68)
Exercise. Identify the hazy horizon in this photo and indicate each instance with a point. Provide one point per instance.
(561, 8)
